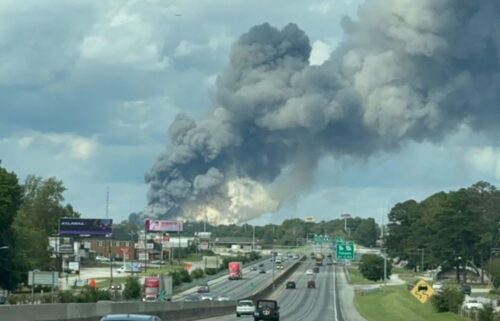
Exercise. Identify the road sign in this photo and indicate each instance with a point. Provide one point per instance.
(339, 239)
(422, 291)
(42, 278)
(345, 251)
(320, 239)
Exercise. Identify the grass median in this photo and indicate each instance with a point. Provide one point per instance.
(395, 303)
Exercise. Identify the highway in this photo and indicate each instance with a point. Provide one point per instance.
(328, 301)
(237, 289)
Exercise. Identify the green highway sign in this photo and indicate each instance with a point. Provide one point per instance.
(320, 239)
(345, 251)
(339, 239)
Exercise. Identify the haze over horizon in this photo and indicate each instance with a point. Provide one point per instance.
(92, 104)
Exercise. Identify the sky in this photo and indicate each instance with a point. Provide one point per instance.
(88, 90)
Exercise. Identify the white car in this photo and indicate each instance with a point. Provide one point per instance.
(102, 258)
(309, 272)
(472, 304)
(245, 307)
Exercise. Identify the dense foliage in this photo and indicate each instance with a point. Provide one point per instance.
(371, 267)
(451, 228)
(132, 289)
(449, 299)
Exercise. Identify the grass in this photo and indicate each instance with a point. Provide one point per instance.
(357, 277)
(395, 303)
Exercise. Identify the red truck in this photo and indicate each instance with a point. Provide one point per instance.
(151, 289)
(235, 270)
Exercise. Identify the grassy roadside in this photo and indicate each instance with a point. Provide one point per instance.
(395, 303)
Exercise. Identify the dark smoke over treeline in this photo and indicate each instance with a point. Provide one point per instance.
(406, 70)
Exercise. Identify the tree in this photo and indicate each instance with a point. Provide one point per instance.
(132, 288)
(493, 269)
(371, 267)
(10, 201)
(366, 233)
(38, 218)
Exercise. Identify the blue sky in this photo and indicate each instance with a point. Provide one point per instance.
(88, 89)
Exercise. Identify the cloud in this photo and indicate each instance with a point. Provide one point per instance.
(320, 53)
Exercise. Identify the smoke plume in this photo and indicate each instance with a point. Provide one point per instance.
(406, 70)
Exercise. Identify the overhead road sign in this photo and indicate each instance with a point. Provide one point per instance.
(422, 291)
(345, 251)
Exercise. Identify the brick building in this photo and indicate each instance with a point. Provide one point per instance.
(120, 244)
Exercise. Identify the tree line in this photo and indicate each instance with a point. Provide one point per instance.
(450, 228)
(29, 214)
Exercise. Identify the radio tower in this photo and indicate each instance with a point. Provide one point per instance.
(107, 202)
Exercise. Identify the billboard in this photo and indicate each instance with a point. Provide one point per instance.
(85, 227)
(309, 219)
(42, 278)
(163, 226)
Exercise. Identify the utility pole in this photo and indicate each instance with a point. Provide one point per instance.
(384, 253)
(110, 241)
(422, 259)
(253, 239)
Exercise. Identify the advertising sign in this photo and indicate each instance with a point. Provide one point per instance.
(74, 266)
(85, 227)
(163, 226)
(42, 278)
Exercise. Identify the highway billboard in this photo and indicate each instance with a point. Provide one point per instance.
(163, 226)
(87, 227)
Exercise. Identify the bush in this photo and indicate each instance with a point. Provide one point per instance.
(66, 296)
(449, 299)
(132, 288)
(197, 273)
(185, 276)
(176, 278)
(371, 267)
(210, 271)
(487, 313)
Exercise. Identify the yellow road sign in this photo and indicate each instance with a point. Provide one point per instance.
(422, 291)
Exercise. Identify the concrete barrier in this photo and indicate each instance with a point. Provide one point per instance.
(179, 311)
(167, 311)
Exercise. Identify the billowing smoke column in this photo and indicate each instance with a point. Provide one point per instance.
(407, 70)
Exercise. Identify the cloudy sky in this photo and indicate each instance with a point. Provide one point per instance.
(88, 89)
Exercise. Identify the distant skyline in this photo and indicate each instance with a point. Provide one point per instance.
(89, 96)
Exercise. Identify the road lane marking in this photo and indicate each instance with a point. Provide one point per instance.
(335, 295)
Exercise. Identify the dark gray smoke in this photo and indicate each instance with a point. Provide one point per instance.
(406, 70)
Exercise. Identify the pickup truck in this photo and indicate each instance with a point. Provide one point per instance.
(245, 307)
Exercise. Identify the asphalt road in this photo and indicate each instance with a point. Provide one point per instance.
(331, 300)
(237, 289)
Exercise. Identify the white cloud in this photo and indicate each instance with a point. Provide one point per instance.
(322, 7)
(320, 52)
(486, 159)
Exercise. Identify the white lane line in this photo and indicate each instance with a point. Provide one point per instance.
(334, 296)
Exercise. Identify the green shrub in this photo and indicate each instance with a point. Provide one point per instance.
(66, 296)
(449, 299)
(197, 273)
(210, 271)
(176, 278)
(132, 288)
(487, 313)
(185, 276)
(371, 267)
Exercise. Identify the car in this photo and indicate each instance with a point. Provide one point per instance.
(261, 265)
(204, 288)
(206, 297)
(266, 310)
(3, 299)
(150, 298)
(262, 271)
(316, 269)
(466, 289)
(279, 267)
(222, 298)
(115, 287)
(130, 317)
(102, 258)
(311, 284)
(195, 297)
(245, 307)
(253, 268)
(290, 285)
(296, 257)
(472, 304)
(309, 272)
